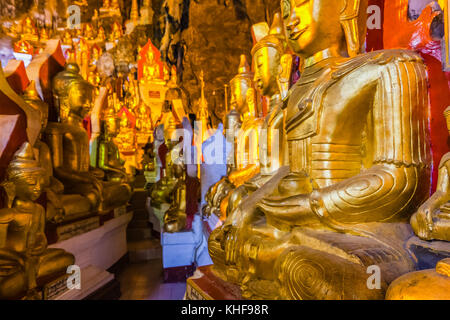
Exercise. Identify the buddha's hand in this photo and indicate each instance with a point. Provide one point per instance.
(230, 243)
(286, 212)
(429, 222)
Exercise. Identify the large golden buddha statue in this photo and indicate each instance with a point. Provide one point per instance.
(359, 160)
(26, 262)
(60, 206)
(69, 145)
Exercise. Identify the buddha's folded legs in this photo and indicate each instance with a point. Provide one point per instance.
(53, 262)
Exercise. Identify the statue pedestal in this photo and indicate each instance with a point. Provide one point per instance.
(156, 215)
(92, 279)
(101, 247)
(428, 253)
(204, 285)
(184, 250)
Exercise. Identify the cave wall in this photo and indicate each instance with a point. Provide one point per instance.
(217, 34)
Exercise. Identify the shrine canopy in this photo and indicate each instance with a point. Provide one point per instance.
(143, 59)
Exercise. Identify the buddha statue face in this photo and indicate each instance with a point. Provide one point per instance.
(266, 62)
(80, 98)
(312, 25)
(239, 87)
(26, 175)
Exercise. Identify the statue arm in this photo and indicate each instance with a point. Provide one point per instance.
(400, 152)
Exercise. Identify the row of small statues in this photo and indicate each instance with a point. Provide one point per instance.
(353, 172)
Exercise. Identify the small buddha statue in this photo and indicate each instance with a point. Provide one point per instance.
(432, 220)
(151, 68)
(126, 138)
(29, 31)
(43, 36)
(116, 31)
(89, 33)
(96, 52)
(69, 144)
(175, 216)
(27, 263)
(101, 36)
(67, 38)
(163, 191)
(109, 155)
(359, 165)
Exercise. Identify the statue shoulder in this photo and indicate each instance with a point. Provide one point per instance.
(385, 59)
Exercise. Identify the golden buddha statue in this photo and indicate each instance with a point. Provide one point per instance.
(116, 31)
(60, 206)
(88, 32)
(67, 38)
(43, 35)
(109, 155)
(126, 138)
(359, 164)
(432, 220)
(69, 144)
(27, 263)
(101, 36)
(144, 125)
(175, 217)
(29, 31)
(96, 52)
(60, 85)
(94, 79)
(163, 191)
(151, 68)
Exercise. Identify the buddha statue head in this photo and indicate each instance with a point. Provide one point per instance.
(267, 54)
(32, 98)
(80, 94)
(60, 87)
(25, 174)
(315, 25)
(239, 86)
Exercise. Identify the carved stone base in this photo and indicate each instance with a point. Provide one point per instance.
(66, 230)
(204, 285)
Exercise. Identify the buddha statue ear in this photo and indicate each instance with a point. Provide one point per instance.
(354, 22)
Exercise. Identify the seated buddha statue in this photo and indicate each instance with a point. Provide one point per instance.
(432, 220)
(67, 38)
(163, 191)
(109, 155)
(60, 206)
(26, 262)
(29, 31)
(175, 217)
(116, 31)
(356, 129)
(151, 68)
(101, 36)
(89, 33)
(69, 145)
